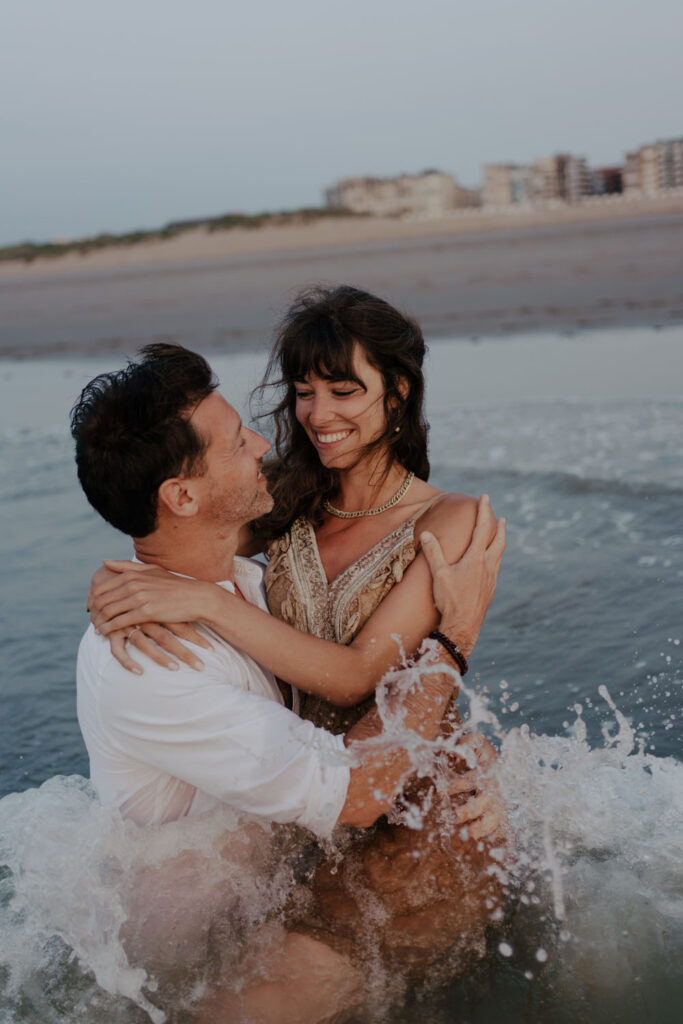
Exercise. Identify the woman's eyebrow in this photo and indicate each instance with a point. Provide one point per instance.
(331, 379)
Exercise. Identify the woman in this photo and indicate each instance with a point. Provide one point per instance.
(351, 494)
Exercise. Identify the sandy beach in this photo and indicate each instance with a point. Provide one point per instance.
(469, 275)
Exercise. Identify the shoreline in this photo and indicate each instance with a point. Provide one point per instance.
(467, 276)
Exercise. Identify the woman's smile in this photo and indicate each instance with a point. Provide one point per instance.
(322, 404)
(327, 439)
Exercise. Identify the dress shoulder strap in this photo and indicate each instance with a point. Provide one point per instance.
(430, 503)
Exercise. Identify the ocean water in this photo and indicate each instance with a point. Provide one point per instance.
(578, 440)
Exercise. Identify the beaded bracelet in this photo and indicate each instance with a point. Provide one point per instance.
(452, 648)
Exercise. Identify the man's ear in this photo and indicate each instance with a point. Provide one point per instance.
(179, 496)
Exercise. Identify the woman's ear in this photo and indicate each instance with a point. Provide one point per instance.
(403, 387)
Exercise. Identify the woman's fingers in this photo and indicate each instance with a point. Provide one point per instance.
(125, 565)
(139, 638)
(125, 621)
(130, 592)
(119, 650)
(101, 593)
(166, 642)
(98, 591)
(114, 574)
(497, 545)
(433, 553)
(483, 526)
(109, 574)
(104, 614)
(155, 641)
(186, 631)
(100, 577)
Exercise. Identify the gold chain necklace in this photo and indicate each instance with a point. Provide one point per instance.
(371, 511)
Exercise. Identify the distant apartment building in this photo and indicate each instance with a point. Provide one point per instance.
(545, 179)
(563, 176)
(430, 194)
(505, 184)
(648, 162)
(607, 181)
(654, 168)
(670, 163)
(576, 178)
(631, 175)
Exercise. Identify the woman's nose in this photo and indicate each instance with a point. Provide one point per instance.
(319, 411)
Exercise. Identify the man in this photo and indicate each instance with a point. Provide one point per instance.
(165, 458)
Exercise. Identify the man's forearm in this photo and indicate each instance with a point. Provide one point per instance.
(376, 782)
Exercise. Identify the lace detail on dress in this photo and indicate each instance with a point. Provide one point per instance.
(295, 581)
(298, 593)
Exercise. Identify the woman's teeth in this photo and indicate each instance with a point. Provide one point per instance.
(330, 438)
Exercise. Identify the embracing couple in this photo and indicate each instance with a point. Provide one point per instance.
(365, 560)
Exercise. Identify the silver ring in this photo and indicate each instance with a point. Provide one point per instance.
(131, 633)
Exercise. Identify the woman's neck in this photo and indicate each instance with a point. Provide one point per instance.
(368, 485)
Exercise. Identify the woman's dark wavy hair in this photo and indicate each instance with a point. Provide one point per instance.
(317, 335)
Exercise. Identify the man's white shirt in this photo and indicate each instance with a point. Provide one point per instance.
(173, 743)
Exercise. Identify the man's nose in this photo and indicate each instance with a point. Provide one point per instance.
(259, 445)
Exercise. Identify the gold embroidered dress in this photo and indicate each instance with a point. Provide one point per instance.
(407, 899)
(298, 593)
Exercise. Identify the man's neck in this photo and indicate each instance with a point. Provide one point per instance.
(204, 555)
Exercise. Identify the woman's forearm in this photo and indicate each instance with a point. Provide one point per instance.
(342, 675)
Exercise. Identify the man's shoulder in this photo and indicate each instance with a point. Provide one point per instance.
(93, 654)
(98, 671)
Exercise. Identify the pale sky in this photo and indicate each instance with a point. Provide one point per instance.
(132, 113)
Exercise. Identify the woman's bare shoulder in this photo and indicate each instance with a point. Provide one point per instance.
(451, 519)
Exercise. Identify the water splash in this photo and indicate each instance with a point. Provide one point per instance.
(596, 921)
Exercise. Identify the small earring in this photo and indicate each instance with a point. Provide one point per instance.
(396, 430)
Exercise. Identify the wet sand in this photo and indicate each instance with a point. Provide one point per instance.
(467, 276)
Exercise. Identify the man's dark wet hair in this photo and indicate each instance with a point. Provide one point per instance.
(132, 430)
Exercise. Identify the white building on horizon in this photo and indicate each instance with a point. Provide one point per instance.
(429, 195)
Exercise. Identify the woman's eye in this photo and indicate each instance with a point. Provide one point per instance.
(338, 393)
(302, 394)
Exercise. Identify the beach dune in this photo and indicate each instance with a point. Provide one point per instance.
(465, 276)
